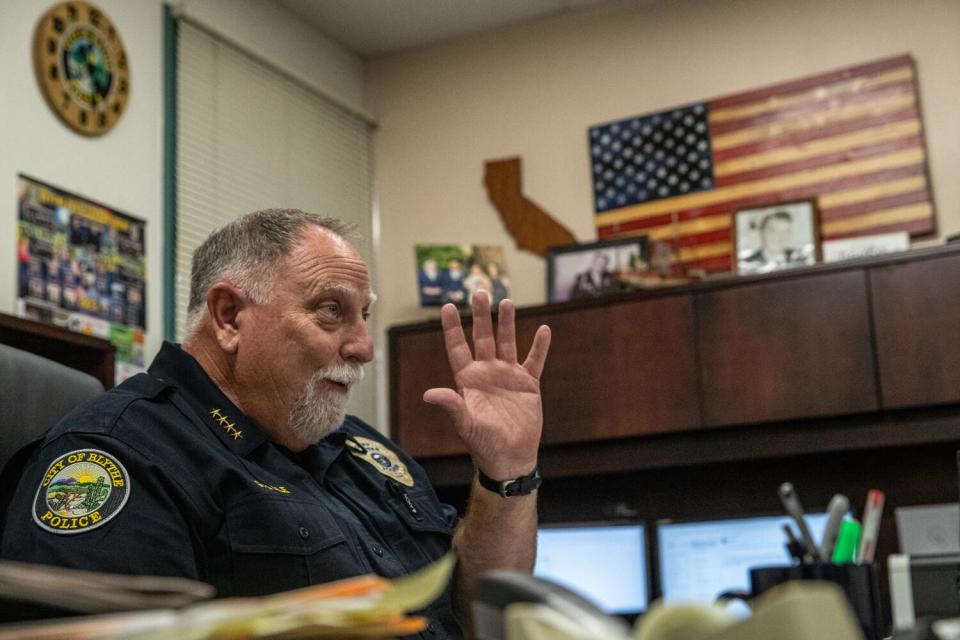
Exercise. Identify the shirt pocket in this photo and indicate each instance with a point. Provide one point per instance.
(424, 534)
(283, 527)
(419, 510)
(275, 544)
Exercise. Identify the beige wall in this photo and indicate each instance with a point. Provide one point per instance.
(534, 90)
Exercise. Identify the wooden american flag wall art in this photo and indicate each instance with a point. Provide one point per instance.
(851, 138)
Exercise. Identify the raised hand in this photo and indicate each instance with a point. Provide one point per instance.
(496, 407)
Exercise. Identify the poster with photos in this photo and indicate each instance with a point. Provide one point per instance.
(455, 272)
(82, 265)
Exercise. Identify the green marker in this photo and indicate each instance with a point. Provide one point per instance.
(848, 540)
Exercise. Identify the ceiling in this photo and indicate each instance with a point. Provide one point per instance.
(376, 27)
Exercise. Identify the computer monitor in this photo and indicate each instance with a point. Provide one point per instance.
(698, 561)
(606, 563)
(929, 529)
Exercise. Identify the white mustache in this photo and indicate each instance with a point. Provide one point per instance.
(345, 374)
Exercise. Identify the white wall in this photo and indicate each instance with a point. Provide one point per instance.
(123, 169)
(534, 90)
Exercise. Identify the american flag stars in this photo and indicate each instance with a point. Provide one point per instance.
(651, 157)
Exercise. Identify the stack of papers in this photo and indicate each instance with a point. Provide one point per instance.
(90, 592)
(362, 607)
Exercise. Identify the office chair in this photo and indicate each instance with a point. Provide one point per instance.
(34, 394)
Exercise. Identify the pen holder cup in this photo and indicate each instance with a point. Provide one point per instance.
(860, 582)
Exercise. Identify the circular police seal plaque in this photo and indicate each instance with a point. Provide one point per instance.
(80, 491)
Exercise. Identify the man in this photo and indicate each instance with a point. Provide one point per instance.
(776, 249)
(430, 287)
(451, 281)
(232, 462)
(596, 280)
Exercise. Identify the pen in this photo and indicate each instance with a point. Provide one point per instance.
(795, 510)
(871, 525)
(839, 505)
(794, 547)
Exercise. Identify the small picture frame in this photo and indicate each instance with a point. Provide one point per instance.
(782, 235)
(578, 271)
(455, 272)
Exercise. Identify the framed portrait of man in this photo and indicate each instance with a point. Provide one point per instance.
(577, 271)
(785, 235)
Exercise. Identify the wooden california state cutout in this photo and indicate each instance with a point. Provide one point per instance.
(532, 228)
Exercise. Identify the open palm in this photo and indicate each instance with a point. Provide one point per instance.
(496, 407)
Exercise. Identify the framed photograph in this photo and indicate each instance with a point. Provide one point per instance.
(577, 271)
(778, 236)
(455, 272)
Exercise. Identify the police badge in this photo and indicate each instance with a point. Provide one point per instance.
(383, 459)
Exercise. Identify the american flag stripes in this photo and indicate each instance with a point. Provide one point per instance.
(852, 139)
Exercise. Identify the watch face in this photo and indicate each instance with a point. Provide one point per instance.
(82, 67)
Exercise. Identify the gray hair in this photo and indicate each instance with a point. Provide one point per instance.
(246, 252)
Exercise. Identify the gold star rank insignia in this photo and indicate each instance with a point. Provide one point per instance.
(224, 421)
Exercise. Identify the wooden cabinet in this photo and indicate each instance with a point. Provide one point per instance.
(916, 310)
(418, 362)
(810, 360)
(619, 371)
(778, 350)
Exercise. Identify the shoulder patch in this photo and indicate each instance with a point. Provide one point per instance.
(80, 491)
(382, 458)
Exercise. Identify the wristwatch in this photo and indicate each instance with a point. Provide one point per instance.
(522, 486)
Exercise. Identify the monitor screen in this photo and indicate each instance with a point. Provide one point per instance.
(605, 563)
(700, 560)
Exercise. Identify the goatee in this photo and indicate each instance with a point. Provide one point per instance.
(321, 407)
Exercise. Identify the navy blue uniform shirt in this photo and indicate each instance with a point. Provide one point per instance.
(163, 475)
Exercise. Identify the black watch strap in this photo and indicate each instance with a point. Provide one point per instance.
(521, 486)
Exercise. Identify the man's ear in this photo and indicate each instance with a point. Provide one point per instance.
(224, 304)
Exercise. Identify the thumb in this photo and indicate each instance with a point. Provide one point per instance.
(448, 400)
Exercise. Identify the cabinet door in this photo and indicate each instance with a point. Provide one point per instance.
(916, 310)
(787, 348)
(418, 361)
(616, 370)
(626, 369)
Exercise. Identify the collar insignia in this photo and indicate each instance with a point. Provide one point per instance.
(80, 491)
(270, 487)
(381, 458)
(224, 422)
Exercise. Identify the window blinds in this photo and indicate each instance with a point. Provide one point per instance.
(250, 137)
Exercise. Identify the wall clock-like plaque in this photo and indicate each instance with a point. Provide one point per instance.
(82, 67)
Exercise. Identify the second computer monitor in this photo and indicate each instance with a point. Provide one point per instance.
(700, 560)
